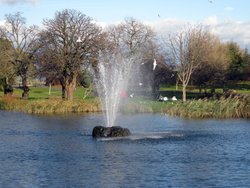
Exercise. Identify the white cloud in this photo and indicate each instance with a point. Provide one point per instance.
(2, 22)
(13, 2)
(211, 20)
(231, 30)
(167, 26)
(228, 9)
(100, 24)
(226, 30)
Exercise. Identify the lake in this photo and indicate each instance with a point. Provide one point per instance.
(163, 151)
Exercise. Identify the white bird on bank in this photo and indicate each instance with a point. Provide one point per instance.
(154, 65)
(161, 98)
(165, 98)
(140, 84)
(174, 98)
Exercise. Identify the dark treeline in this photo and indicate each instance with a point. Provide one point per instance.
(62, 49)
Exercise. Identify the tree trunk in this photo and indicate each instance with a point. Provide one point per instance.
(8, 89)
(212, 90)
(49, 88)
(184, 93)
(70, 91)
(63, 92)
(70, 87)
(199, 89)
(63, 88)
(25, 94)
(176, 84)
(155, 90)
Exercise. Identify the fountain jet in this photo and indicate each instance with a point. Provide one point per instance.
(111, 81)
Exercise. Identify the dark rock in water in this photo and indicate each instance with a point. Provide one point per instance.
(116, 131)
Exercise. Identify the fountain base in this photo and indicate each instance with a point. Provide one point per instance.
(104, 132)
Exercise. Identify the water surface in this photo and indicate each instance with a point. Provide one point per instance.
(47, 151)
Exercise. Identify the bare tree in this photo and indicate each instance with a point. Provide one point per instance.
(22, 39)
(131, 35)
(134, 37)
(188, 49)
(48, 66)
(71, 38)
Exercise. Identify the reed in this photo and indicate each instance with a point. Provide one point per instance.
(61, 107)
(231, 107)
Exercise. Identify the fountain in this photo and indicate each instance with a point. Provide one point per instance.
(111, 82)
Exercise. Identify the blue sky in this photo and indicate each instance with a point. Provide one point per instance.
(116, 10)
(222, 15)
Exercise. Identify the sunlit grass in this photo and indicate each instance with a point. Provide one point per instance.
(50, 106)
(41, 102)
(43, 93)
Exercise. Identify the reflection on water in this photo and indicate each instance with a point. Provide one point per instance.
(42, 151)
(146, 136)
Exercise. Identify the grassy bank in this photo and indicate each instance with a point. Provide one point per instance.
(41, 102)
(50, 106)
(232, 107)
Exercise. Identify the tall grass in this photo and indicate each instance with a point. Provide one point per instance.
(50, 106)
(9, 103)
(231, 107)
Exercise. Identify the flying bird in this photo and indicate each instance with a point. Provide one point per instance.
(210, 1)
(154, 65)
(79, 40)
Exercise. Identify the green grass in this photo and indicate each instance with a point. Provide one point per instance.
(165, 90)
(43, 93)
(142, 105)
(242, 87)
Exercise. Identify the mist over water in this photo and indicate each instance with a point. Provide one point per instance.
(111, 79)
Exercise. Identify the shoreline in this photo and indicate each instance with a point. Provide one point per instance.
(224, 108)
